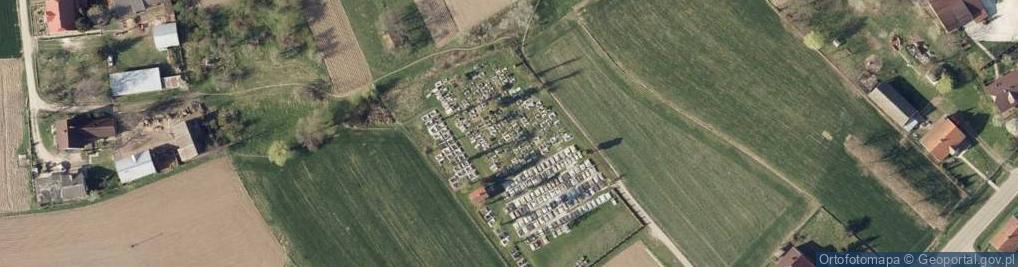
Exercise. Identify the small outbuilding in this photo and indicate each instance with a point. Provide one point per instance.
(944, 139)
(1006, 240)
(135, 167)
(165, 36)
(896, 107)
(478, 196)
(136, 82)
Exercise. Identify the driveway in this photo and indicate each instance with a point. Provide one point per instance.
(965, 239)
(1003, 25)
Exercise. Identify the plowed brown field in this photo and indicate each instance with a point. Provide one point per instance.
(201, 217)
(348, 68)
(14, 193)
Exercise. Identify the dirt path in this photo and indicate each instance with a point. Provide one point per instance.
(201, 217)
(14, 192)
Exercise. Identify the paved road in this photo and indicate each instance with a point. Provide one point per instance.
(965, 239)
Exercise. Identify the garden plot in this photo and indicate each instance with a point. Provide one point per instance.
(14, 193)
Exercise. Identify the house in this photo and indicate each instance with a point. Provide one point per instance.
(135, 166)
(896, 107)
(1004, 92)
(1006, 240)
(165, 36)
(944, 139)
(84, 129)
(794, 258)
(954, 14)
(136, 82)
(58, 187)
(60, 15)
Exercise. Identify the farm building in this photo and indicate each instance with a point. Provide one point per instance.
(1006, 240)
(888, 100)
(184, 142)
(165, 36)
(59, 187)
(794, 258)
(944, 139)
(1004, 92)
(954, 14)
(135, 166)
(60, 15)
(121, 8)
(136, 82)
(84, 129)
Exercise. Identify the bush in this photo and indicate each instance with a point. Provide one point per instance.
(314, 130)
(279, 152)
(945, 84)
(814, 40)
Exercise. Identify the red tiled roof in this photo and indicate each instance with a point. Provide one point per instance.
(794, 258)
(954, 14)
(1006, 240)
(60, 15)
(944, 137)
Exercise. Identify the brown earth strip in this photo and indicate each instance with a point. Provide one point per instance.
(201, 217)
(438, 19)
(636, 255)
(14, 193)
(347, 66)
(470, 13)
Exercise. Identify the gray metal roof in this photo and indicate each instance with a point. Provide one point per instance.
(135, 167)
(136, 82)
(887, 98)
(165, 36)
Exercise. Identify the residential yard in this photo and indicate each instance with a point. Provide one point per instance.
(366, 199)
(829, 234)
(732, 65)
(983, 242)
(72, 72)
(719, 205)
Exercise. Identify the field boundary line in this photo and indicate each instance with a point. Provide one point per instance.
(691, 117)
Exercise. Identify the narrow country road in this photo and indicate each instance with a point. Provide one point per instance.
(965, 239)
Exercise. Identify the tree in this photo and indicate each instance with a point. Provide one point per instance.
(98, 14)
(82, 24)
(314, 130)
(945, 84)
(316, 90)
(279, 152)
(231, 126)
(814, 40)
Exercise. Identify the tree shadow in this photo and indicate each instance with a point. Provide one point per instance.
(609, 144)
(972, 123)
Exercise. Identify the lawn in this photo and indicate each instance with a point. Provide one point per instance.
(593, 236)
(829, 234)
(734, 66)
(366, 17)
(721, 207)
(367, 199)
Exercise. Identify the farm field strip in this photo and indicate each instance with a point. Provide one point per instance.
(202, 216)
(699, 199)
(334, 36)
(14, 192)
(470, 13)
(368, 198)
(770, 91)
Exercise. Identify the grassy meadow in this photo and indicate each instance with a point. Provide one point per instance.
(734, 66)
(593, 236)
(720, 206)
(366, 19)
(367, 199)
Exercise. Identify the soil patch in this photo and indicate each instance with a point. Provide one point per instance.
(635, 255)
(14, 194)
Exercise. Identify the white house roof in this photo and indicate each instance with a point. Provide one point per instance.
(135, 166)
(136, 82)
(165, 36)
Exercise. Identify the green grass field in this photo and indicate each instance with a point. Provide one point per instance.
(367, 199)
(720, 206)
(10, 37)
(593, 236)
(365, 19)
(733, 65)
(829, 233)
